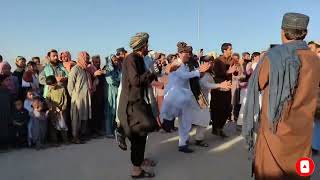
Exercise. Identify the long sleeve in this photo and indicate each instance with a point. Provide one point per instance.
(27, 105)
(64, 100)
(184, 73)
(136, 79)
(42, 78)
(72, 80)
(205, 82)
(220, 72)
(48, 99)
(264, 74)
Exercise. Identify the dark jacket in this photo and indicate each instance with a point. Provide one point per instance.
(194, 82)
(21, 118)
(6, 111)
(19, 75)
(135, 82)
(195, 85)
(221, 66)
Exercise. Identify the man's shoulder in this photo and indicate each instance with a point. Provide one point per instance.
(132, 56)
(17, 73)
(221, 58)
(308, 53)
(25, 111)
(75, 68)
(218, 61)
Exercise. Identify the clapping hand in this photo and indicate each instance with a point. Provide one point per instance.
(204, 67)
(225, 85)
(232, 69)
(98, 72)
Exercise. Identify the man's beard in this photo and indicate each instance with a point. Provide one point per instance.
(54, 62)
(20, 67)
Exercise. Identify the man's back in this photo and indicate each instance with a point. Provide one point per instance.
(292, 139)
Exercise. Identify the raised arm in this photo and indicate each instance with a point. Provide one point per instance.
(184, 73)
(204, 81)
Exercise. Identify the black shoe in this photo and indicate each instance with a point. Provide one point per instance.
(166, 126)
(215, 131)
(144, 174)
(188, 142)
(185, 149)
(77, 141)
(55, 145)
(94, 136)
(201, 143)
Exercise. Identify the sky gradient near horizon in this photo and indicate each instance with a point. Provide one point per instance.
(31, 28)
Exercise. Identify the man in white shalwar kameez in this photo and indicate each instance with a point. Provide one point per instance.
(178, 96)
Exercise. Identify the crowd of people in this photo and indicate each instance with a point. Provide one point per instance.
(61, 101)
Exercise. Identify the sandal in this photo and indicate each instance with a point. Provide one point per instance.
(202, 144)
(144, 174)
(149, 162)
(121, 141)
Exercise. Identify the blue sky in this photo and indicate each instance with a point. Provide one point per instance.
(31, 28)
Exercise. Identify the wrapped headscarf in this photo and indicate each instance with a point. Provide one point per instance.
(139, 40)
(69, 63)
(20, 58)
(12, 79)
(82, 59)
(184, 48)
(3, 65)
(65, 54)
